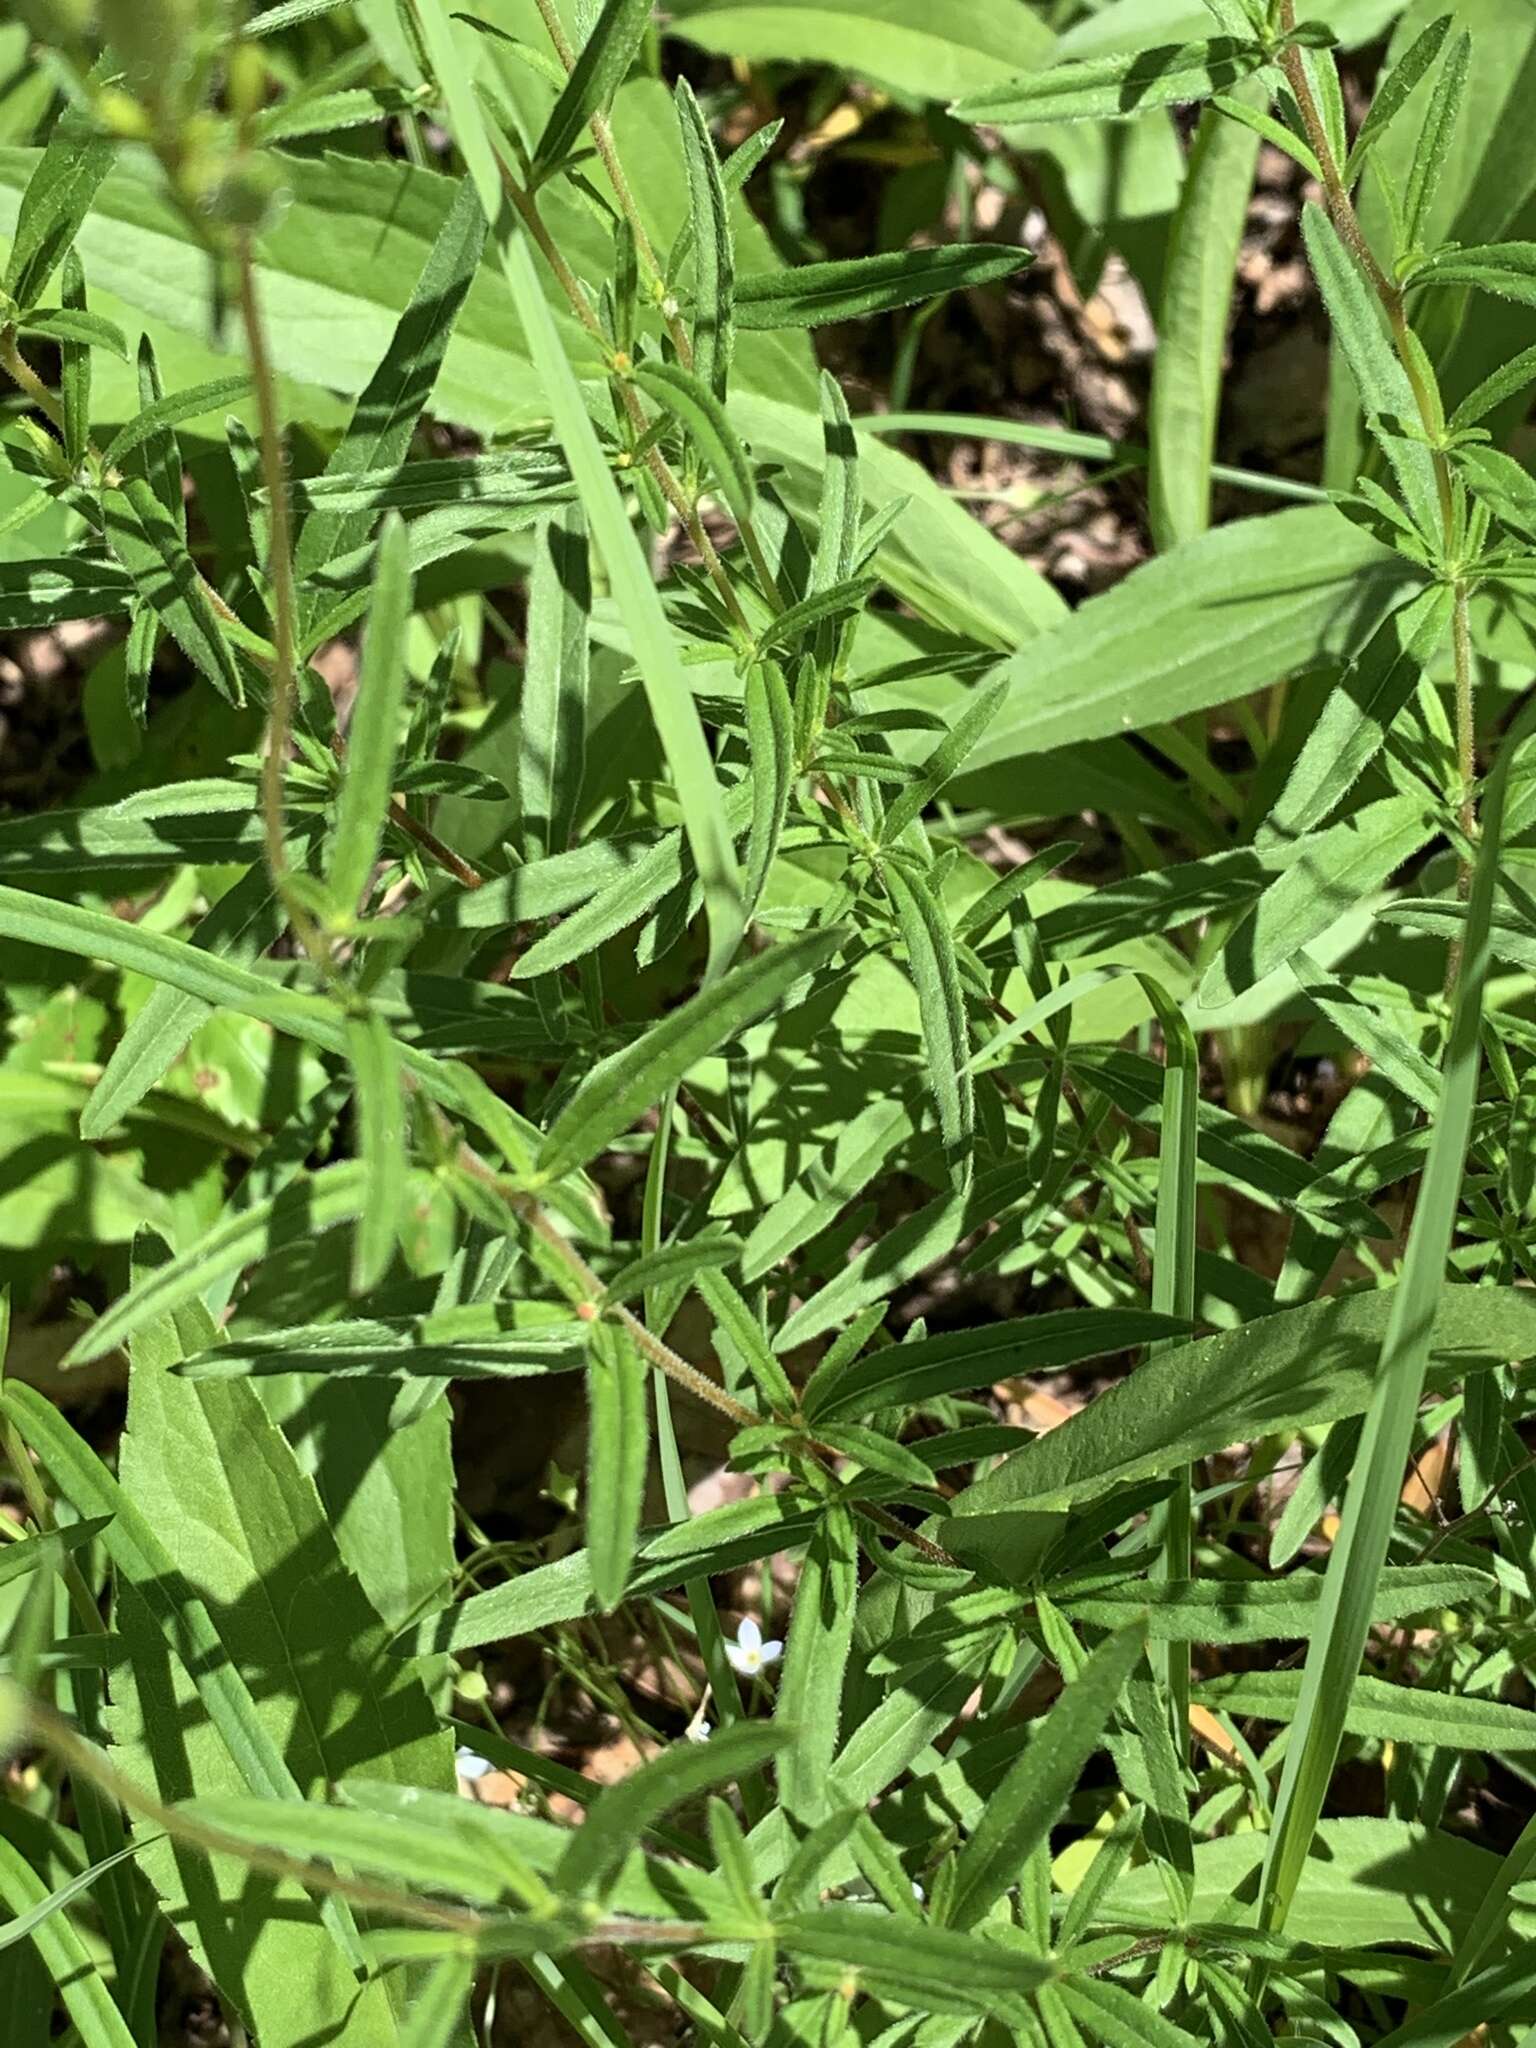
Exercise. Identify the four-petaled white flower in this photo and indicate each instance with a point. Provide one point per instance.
(470, 1765)
(749, 1655)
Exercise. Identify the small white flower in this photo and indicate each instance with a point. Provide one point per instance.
(470, 1765)
(918, 1893)
(749, 1655)
(698, 1730)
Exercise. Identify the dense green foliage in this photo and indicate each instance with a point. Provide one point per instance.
(647, 1013)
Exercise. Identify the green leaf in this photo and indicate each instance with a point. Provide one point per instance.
(618, 1817)
(367, 780)
(810, 1700)
(1370, 1503)
(1385, 1712)
(72, 323)
(696, 1549)
(1262, 1610)
(475, 1340)
(1392, 90)
(1503, 484)
(932, 964)
(1436, 137)
(336, 1194)
(1118, 2018)
(833, 1178)
(56, 201)
(146, 540)
(599, 71)
(932, 1969)
(1216, 618)
(742, 1330)
(1333, 872)
(1382, 382)
(618, 1450)
(75, 367)
(1295, 1369)
(1507, 269)
(1111, 88)
(552, 720)
(1029, 1801)
(695, 405)
(209, 821)
(813, 293)
(171, 411)
(49, 1547)
(1500, 384)
(1359, 713)
(960, 1361)
(1192, 322)
(380, 1148)
(946, 760)
(621, 1087)
(771, 747)
(383, 421)
(714, 248)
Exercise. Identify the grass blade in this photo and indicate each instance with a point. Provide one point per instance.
(1370, 1504)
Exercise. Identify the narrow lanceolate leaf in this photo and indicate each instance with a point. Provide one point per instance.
(1111, 88)
(385, 416)
(946, 760)
(618, 1449)
(771, 747)
(813, 293)
(552, 722)
(714, 248)
(931, 962)
(626, 1084)
(810, 1698)
(75, 367)
(477, 1340)
(738, 1324)
(1360, 332)
(1193, 319)
(598, 73)
(1030, 1800)
(1264, 1610)
(170, 411)
(368, 770)
(334, 1195)
(655, 650)
(1387, 1712)
(616, 1820)
(1392, 91)
(1436, 137)
(933, 1969)
(1359, 713)
(1303, 1366)
(380, 1147)
(1507, 269)
(57, 199)
(962, 1361)
(1370, 1504)
(1337, 869)
(145, 538)
(694, 405)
